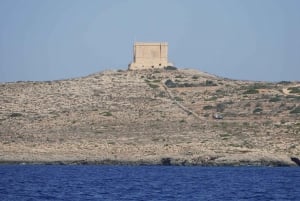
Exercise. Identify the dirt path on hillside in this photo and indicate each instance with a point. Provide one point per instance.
(286, 91)
(171, 96)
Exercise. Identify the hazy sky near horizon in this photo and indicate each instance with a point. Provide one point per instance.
(241, 39)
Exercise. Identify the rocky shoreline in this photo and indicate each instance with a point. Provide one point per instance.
(163, 162)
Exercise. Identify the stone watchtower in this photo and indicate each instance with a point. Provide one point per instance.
(149, 55)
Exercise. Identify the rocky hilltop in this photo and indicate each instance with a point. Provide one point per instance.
(180, 117)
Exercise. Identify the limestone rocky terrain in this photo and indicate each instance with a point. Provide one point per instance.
(180, 117)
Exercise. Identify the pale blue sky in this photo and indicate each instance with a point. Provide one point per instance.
(241, 39)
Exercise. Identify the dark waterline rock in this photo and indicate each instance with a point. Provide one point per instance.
(296, 160)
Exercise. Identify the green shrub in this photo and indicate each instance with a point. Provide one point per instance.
(284, 82)
(251, 91)
(219, 91)
(179, 76)
(170, 84)
(260, 86)
(107, 114)
(16, 114)
(162, 94)
(195, 77)
(213, 98)
(178, 98)
(275, 99)
(257, 110)
(291, 96)
(229, 102)
(206, 115)
(220, 107)
(247, 104)
(210, 83)
(153, 86)
(186, 85)
(208, 107)
(170, 68)
(295, 111)
(225, 135)
(294, 90)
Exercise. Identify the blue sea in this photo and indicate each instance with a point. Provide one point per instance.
(87, 182)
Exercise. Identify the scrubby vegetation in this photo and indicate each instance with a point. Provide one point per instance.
(15, 114)
(107, 114)
(210, 83)
(284, 82)
(257, 110)
(170, 68)
(295, 110)
(178, 98)
(251, 91)
(131, 115)
(208, 107)
(294, 90)
(275, 99)
(220, 107)
(153, 86)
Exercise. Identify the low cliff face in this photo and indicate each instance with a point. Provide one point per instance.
(154, 116)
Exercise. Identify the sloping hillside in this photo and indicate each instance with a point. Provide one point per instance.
(150, 117)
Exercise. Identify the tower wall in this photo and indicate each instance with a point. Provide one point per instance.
(149, 55)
